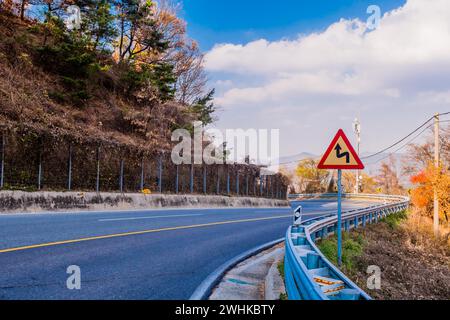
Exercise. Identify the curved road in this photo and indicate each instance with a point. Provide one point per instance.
(154, 254)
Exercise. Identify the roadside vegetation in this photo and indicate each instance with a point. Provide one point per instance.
(414, 264)
(128, 76)
(280, 266)
(352, 248)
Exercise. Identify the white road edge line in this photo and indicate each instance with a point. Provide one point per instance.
(153, 217)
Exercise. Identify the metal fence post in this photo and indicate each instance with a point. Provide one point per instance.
(272, 187)
(237, 182)
(176, 179)
(40, 166)
(246, 185)
(160, 174)
(204, 179)
(191, 179)
(121, 175)
(218, 181)
(97, 181)
(69, 173)
(142, 173)
(2, 164)
(261, 187)
(228, 180)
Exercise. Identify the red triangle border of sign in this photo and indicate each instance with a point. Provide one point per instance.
(341, 134)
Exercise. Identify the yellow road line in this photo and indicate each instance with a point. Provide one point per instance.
(50, 244)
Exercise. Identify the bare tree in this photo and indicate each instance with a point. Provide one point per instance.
(420, 155)
(183, 53)
(388, 178)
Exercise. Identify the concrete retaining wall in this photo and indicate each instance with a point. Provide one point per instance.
(19, 201)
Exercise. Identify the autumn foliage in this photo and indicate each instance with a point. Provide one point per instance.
(425, 182)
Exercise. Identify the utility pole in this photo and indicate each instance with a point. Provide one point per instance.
(357, 130)
(436, 163)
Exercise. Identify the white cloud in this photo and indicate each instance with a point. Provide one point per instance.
(406, 60)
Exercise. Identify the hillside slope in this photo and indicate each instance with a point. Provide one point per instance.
(37, 100)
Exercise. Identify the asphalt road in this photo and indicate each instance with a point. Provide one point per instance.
(155, 254)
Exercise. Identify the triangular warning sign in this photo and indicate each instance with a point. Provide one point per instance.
(340, 155)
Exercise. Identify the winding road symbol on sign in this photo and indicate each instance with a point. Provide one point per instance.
(343, 154)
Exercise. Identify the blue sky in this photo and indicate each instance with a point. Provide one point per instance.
(309, 68)
(239, 21)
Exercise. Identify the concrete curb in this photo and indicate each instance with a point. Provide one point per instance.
(48, 201)
(204, 290)
(274, 283)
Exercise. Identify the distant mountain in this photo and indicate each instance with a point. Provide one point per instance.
(291, 162)
(372, 164)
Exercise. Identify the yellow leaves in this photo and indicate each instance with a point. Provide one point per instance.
(116, 56)
(310, 178)
(427, 182)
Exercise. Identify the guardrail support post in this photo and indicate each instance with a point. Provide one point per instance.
(349, 294)
(2, 164)
(363, 220)
(312, 261)
(324, 232)
(356, 222)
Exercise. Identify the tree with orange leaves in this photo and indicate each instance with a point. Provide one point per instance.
(422, 196)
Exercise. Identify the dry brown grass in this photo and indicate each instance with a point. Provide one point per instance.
(415, 265)
(27, 100)
(420, 233)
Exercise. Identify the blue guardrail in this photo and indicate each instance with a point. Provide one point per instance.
(309, 275)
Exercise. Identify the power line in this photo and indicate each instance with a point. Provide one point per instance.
(408, 143)
(403, 139)
(402, 147)
(393, 145)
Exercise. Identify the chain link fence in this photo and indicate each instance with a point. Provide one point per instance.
(32, 162)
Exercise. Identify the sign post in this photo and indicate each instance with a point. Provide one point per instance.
(340, 155)
(339, 222)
